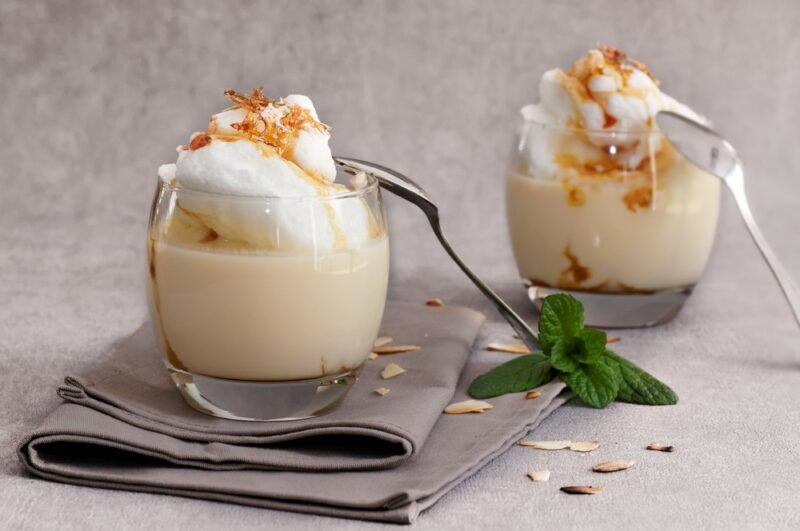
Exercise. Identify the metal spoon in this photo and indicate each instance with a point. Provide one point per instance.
(710, 152)
(404, 187)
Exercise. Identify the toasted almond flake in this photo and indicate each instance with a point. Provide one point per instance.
(539, 475)
(468, 406)
(532, 394)
(392, 370)
(381, 391)
(381, 341)
(372, 356)
(545, 445)
(584, 446)
(515, 336)
(612, 339)
(581, 489)
(434, 302)
(395, 349)
(660, 447)
(511, 348)
(612, 466)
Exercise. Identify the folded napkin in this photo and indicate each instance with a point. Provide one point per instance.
(125, 426)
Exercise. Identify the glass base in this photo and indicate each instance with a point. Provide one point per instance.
(621, 310)
(259, 401)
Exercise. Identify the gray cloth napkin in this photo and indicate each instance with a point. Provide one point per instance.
(124, 426)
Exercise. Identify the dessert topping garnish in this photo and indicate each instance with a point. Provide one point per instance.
(584, 446)
(511, 348)
(539, 475)
(579, 357)
(395, 349)
(382, 391)
(581, 489)
(660, 447)
(468, 406)
(392, 370)
(612, 466)
(274, 129)
(434, 302)
(532, 394)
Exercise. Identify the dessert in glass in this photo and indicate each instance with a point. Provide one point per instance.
(599, 203)
(267, 277)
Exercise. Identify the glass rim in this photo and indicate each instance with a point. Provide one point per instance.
(603, 132)
(372, 185)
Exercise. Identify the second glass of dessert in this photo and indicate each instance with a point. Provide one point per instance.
(267, 275)
(599, 204)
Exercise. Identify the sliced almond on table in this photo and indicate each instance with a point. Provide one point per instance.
(381, 391)
(372, 356)
(532, 394)
(545, 445)
(584, 446)
(581, 489)
(395, 349)
(660, 447)
(612, 339)
(392, 370)
(612, 466)
(539, 475)
(468, 406)
(511, 348)
(434, 302)
(381, 341)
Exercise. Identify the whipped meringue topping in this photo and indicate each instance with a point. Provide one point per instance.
(267, 148)
(611, 99)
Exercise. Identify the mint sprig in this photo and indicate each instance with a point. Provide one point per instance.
(579, 357)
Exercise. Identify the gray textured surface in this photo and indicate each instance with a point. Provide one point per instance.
(96, 95)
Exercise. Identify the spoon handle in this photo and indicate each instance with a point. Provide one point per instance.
(522, 329)
(735, 183)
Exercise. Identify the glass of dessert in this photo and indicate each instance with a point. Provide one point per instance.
(267, 274)
(599, 203)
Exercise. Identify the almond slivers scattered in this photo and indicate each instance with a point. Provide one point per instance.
(660, 447)
(392, 370)
(532, 394)
(545, 445)
(381, 391)
(372, 356)
(381, 341)
(434, 302)
(539, 475)
(584, 446)
(612, 339)
(612, 466)
(511, 348)
(468, 406)
(581, 489)
(395, 349)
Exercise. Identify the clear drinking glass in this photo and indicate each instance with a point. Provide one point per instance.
(619, 220)
(266, 307)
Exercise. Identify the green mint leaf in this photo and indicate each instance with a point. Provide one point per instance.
(520, 374)
(590, 346)
(561, 354)
(597, 385)
(561, 316)
(639, 387)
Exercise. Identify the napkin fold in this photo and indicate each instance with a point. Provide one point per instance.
(123, 425)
